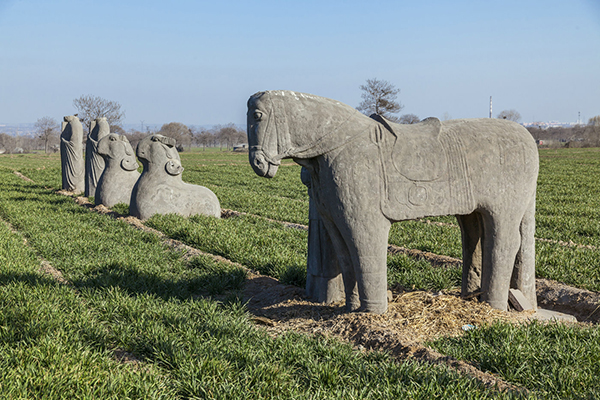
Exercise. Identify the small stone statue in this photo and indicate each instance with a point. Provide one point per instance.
(160, 189)
(71, 155)
(120, 172)
(94, 163)
(324, 282)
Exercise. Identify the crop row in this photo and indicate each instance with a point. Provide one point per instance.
(568, 204)
(130, 296)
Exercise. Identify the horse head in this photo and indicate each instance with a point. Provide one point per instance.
(286, 124)
(159, 150)
(117, 147)
(262, 135)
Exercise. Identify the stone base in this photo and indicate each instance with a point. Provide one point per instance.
(548, 315)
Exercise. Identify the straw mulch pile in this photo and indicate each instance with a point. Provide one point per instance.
(412, 317)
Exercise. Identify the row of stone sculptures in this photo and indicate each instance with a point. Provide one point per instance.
(363, 173)
(110, 173)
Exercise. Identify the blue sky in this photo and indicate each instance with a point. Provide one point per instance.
(197, 62)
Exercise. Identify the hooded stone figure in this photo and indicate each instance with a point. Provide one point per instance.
(94, 163)
(324, 282)
(160, 189)
(120, 172)
(71, 154)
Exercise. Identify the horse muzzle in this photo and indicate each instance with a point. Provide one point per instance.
(262, 166)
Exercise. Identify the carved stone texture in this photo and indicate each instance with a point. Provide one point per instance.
(160, 189)
(120, 172)
(324, 282)
(71, 155)
(94, 163)
(367, 173)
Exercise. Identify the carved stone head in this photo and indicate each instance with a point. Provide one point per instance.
(158, 150)
(117, 148)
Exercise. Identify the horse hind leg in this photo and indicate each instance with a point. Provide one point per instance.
(501, 242)
(471, 227)
(523, 276)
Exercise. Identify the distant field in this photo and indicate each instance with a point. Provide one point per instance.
(568, 205)
(131, 294)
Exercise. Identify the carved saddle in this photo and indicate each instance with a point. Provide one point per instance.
(424, 170)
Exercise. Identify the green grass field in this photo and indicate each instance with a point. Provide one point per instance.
(129, 293)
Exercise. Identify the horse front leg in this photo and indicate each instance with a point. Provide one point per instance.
(471, 228)
(367, 247)
(344, 261)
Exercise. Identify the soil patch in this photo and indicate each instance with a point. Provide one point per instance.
(412, 319)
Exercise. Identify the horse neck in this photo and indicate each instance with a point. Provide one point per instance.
(309, 144)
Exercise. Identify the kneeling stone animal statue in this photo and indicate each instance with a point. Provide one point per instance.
(120, 172)
(160, 189)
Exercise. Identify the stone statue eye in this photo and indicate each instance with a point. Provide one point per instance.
(257, 115)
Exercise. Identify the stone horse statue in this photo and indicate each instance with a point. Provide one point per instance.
(369, 172)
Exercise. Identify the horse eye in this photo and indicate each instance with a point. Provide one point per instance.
(257, 115)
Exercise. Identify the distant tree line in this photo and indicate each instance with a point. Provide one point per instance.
(378, 97)
(222, 136)
(573, 136)
(47, 136)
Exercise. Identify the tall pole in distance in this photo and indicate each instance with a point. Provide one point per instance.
(490, 106)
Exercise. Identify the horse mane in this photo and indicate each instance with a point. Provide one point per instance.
(328, 122)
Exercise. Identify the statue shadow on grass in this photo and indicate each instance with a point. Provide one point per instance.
(222, 285)
(28, 278)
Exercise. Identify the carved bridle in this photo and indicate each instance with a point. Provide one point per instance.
(277, 117)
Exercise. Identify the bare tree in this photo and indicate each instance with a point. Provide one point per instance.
(117, 129)
(178, 131)
(7, 143)
(47, 129)
(511, 115)
(203, 137)
(134, 136)
(379, 97)
(594, 121)
(408, 119)
(592, 131)
(91, 107)
(229, 135)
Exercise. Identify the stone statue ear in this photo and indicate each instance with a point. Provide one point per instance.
(129, 163)
(173, 168)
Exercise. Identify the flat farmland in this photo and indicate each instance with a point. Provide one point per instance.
(130, 318)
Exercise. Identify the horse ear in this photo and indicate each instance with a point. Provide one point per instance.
(127, 146)
(173, 168)
(129, 163)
